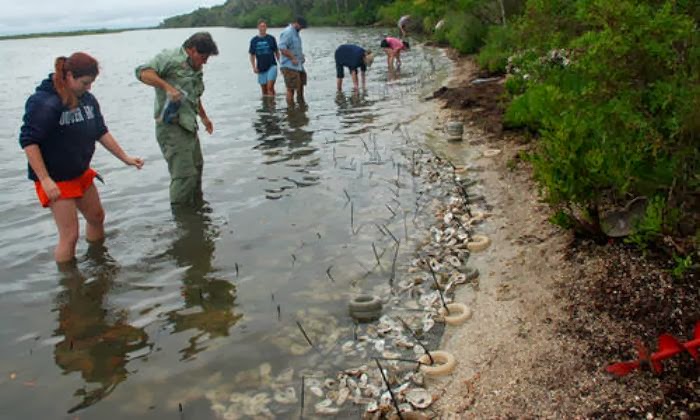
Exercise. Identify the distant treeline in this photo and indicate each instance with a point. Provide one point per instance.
(245, 13)
(65, 33)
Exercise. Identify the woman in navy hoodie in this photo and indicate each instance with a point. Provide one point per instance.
(62, 122)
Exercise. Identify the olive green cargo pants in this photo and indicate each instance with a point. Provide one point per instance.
(182, 151)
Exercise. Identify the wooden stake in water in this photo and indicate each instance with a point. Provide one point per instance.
(388, 387)
(391, 234)
(376, 256)
(459, 222)
(352, 216)
(415, 337)
(308, 340)
(405, 226)
(302, 397)
(437, 285)
(393, 264)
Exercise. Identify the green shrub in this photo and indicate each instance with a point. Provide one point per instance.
(616, 104)
(464, 32)
(500, 44)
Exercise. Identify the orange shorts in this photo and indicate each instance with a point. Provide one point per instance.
(73, 188)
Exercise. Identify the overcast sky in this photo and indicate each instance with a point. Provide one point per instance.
(32, 16)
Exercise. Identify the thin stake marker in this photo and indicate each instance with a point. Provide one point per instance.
(415, 337)
(393, 398)
(308, 340)
(437, 285)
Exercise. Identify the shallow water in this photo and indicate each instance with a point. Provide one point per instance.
(178, 306)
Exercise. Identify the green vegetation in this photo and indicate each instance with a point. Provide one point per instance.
(245, 13)
(613, 90)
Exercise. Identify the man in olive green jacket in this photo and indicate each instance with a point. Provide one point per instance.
(177, 76)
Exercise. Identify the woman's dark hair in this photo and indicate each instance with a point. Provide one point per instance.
(78, 64)
(405, 45)
(202, 42)
(384, 44)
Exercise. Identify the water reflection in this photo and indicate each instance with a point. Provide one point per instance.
(268, 123)
(97, 339)
(285, 138)
(209, 300)
(356, 110)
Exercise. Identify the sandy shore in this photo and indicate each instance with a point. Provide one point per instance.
(541, 335)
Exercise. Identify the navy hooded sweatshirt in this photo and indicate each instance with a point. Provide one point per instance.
(65, 137)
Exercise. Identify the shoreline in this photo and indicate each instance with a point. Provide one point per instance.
(547, 317)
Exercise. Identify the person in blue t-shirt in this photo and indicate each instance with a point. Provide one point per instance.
(62, 123)
(263, 51)
(353, 57)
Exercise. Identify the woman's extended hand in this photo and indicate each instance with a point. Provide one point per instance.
(134, 161)
(51, 189)
(208, 125)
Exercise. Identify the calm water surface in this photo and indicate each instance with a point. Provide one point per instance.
(176, 308)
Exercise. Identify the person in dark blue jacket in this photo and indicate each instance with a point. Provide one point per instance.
(62, 122)
(353, 57)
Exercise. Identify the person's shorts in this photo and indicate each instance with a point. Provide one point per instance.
(267, 76)
(73, 188)
(340, 71)
(293, 79)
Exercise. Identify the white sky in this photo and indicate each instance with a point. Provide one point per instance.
(32, 16)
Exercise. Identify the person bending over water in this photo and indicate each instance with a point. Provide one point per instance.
(263, 51)
(178, 79)
(393, 47)
(353, 57)
(62, 122)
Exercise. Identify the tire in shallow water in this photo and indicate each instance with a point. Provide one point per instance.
(364, 303)
(444, 364)
(366, 316)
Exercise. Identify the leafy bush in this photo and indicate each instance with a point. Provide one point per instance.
(500, 44)
(612, 87)
(464, 32)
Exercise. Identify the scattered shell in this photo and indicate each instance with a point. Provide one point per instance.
(372, 407)
(448, 217)
(285, 376)
(285, 396)
(458, 278)
(317, 391)
(343, 395)
(326, 407)
(419, 398)
(454, 261)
